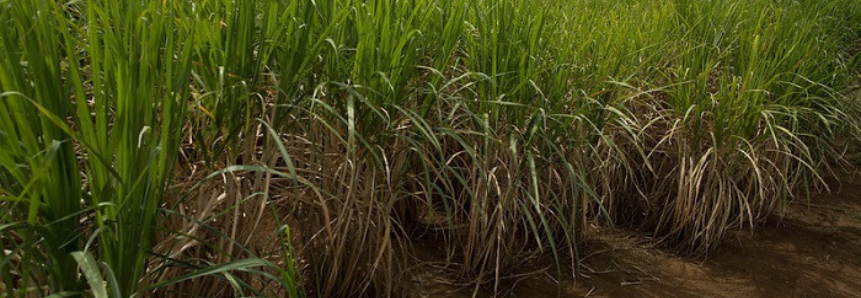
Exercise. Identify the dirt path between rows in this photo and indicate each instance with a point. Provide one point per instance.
(812, 252)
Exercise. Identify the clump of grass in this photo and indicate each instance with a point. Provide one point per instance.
(98, 91)
(748, 120)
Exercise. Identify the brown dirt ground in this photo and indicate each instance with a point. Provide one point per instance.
(814, 251)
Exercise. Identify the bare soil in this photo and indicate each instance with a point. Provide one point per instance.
(813, 251)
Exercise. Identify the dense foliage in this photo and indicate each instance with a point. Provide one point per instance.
(306, 147)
